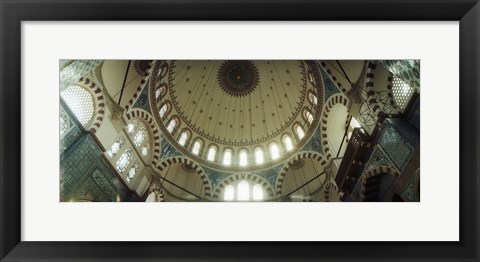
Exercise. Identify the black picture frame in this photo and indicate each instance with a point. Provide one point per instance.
(12, 13)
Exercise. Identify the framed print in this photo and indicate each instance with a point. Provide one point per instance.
(277, 130)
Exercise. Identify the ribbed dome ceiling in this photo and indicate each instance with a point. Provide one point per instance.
(235, 105)
(213, 109)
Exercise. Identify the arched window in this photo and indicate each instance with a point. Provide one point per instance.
(197, 145)
(171, 125)
(311, 78)
(229, 193)
(212, 151)
(259, 158)
(124, 159)
(227, 157)
(257, 192)
(145, 149)
(287, 141)
(132, 126)
(243, 191)
(183, 138)
(132, 172)
(308, 116)
(113, 150)
(163, 110)
(80, 102)
(140, 136)
(299, 131)
(274, 151)
(243, 158)
(160, 91)
(313, 98)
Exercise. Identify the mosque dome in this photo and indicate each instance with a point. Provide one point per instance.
(236, 115)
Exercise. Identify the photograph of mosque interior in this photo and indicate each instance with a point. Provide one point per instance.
(239, 130)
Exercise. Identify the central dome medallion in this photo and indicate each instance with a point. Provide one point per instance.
(238, 77)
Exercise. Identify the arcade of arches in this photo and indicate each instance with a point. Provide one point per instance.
(239, 130)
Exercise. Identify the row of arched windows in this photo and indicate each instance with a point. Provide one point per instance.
(226, 158)
(274, 150)
(243, 191)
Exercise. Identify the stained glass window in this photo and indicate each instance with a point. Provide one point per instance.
(132, 126)
(145, 149)
(113, 150)
(140, 136)
(132, 172)
(124, 159)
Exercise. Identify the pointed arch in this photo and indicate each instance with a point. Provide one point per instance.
(198, 169)
(301, 155)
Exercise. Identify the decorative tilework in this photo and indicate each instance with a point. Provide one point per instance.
(85, 175)
(357, 192)
(330, 87)
(377, 159)
(167, 149)
(75, 70)
(395, 146)
(314, 144)
(270, 174)
(407, 70)
(409, 191)
(215, 176)
(104, 185)
(143, 101)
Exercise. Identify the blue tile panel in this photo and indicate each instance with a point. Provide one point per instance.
(398, 140)
(143, 102)
(329, 85)
(407, 70)
(377, 159)
(75, 70)
(409, 190)
(84, 173)
(314, 144)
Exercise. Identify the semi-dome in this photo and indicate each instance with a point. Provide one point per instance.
(256, 112)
